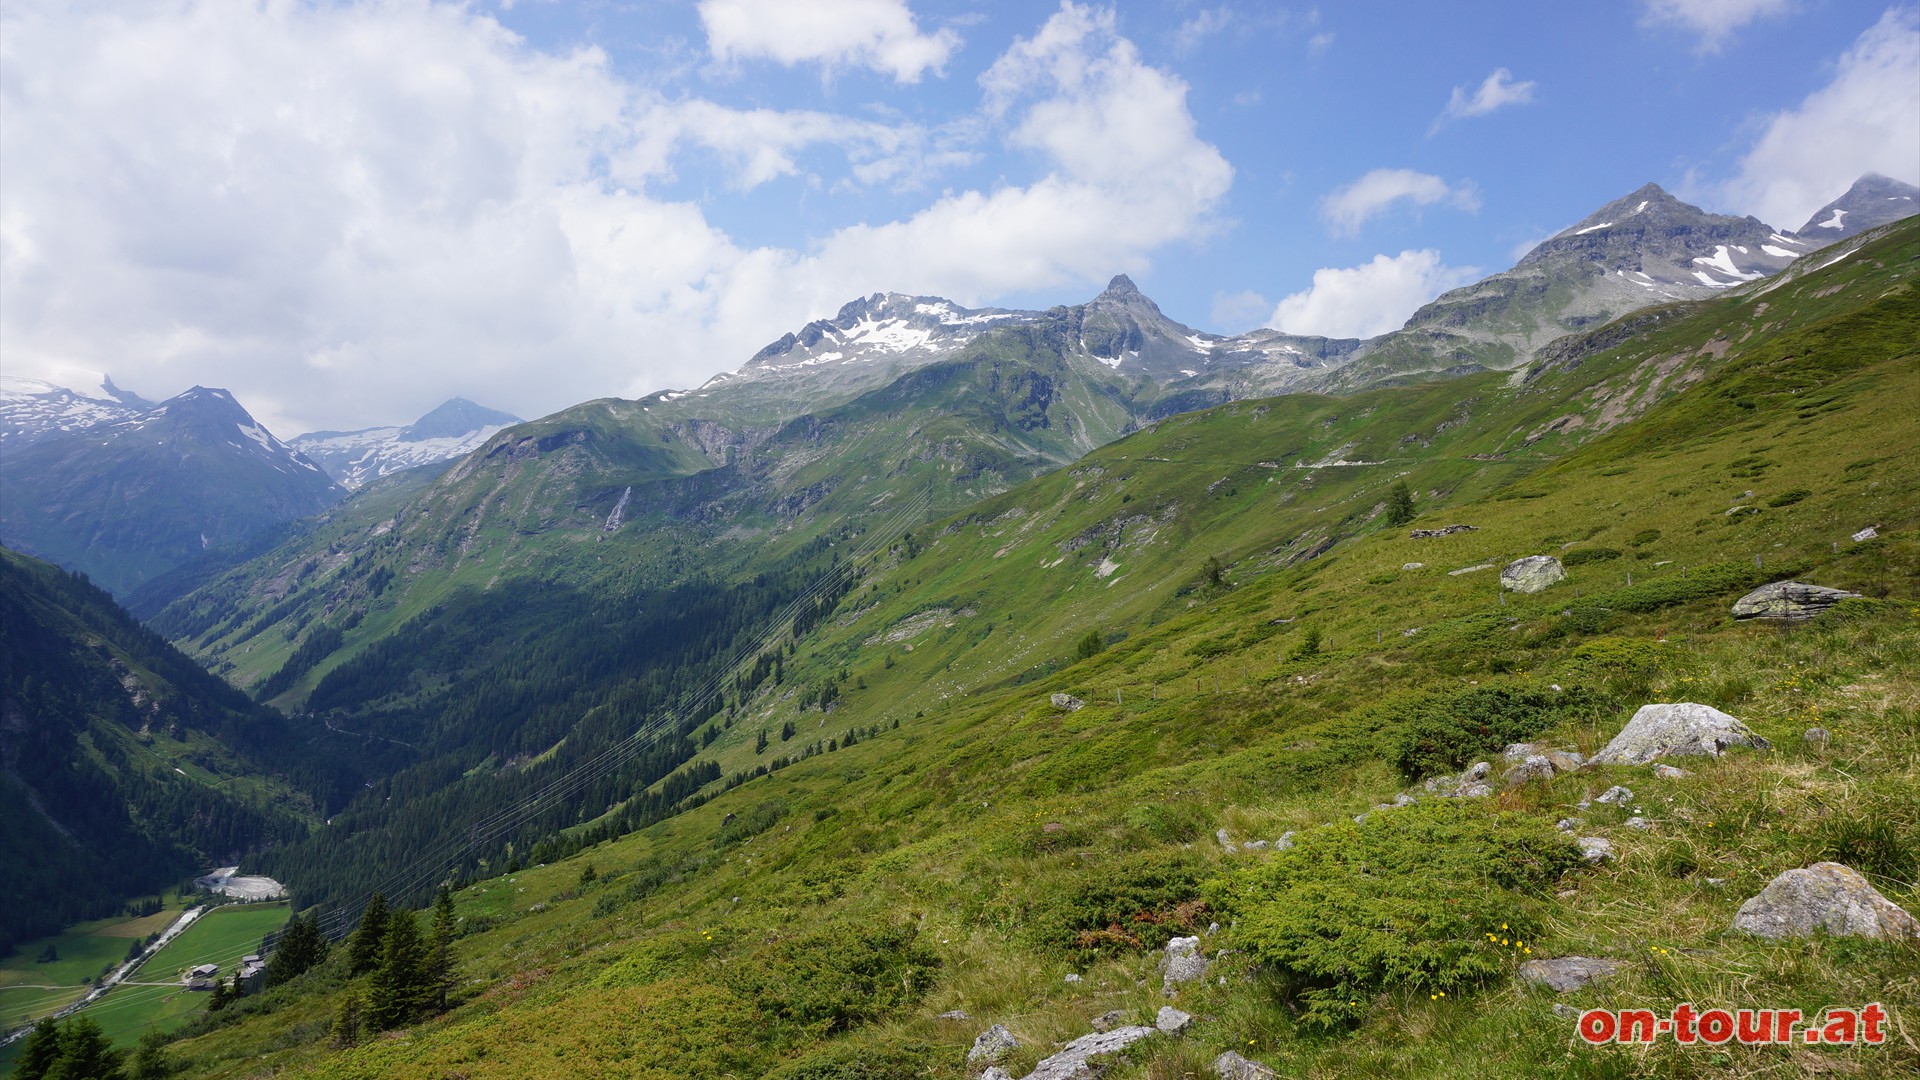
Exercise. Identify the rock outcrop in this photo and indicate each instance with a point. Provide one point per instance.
(1071, 1063)
(1825, 896)
(1066, 702)
(1788, 600)
(1568, 973)
(1531, 574)
(1676, 730)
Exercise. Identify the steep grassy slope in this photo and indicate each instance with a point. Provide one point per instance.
(124, 767)
(942, 837)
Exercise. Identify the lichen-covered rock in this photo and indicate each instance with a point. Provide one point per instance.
(1669, 772)
(1531, 574)
(1067, 702)
(1616, 795)
(1789, 600)
(992, 1045)
(1676, 730)
(1231, 1066)
(1595, 848)
(1568, 973)
(1172, 1021)
(995, 1072)
(1071, 1061)
(1825, 896)
(1445, 530)
(1182, 962)
(1535, 767)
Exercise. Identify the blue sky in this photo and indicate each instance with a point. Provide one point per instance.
(346, 213)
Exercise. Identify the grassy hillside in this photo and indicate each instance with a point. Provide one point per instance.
(124, 767)
(1259, 652)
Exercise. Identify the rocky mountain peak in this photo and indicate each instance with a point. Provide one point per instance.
(1872, 200)
(1121, 288)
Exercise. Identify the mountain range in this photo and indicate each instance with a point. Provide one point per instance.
(935, 654)
(355, 458)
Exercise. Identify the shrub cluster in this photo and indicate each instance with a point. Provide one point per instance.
(1440, 896)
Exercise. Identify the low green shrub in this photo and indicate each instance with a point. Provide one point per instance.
(835, 976)
(1441, 896)
(870, 1062)
(1439, 732)
(1788, 498)
(1582, 556)
(1169, 824)
(1134, 901)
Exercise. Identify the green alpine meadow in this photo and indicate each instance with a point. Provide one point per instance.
(1003, 716)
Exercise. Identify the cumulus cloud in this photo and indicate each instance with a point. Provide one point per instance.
(877, 34)
(1346, 209)
(348, 214)
(1370, 299)
(1496, 91)
(1712, 21)
(1866, 120)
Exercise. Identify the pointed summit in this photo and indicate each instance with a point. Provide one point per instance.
(1872, 200)
(1120, 288)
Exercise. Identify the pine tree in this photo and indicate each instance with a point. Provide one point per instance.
(400, 983)
(440, 956)
(42, 1049)
(220, 996)
(363, 952)
(300, 948)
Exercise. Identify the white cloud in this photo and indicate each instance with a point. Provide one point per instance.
(1866, 120)
(1714, 21)
(347, 214)
(1192, 33)
(1370, 299)
(877, 34)
(1235, 311)
(1497, 91)
(1346, 209)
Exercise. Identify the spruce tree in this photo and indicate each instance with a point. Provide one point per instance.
(85, 1054)
(400, 982)
(440, 957)
(42, 1049)
(346, 1022)
(149, 1061)
(220, 996)
(300, 948)
(363, 952)
(1399, 504)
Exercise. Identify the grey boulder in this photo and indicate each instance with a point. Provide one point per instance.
(1676, 730)
(1531, 574)
(1182, 962)
(1066, 702)
(1825, 896)
(1231, 1066)
(992, 1045)
(1789, 600)
(1172, 1020)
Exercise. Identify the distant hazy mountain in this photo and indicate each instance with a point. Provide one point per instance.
(138, 494)
(30, 408)
(1872, 200)
(356, 457)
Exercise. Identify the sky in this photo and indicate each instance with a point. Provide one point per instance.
(346, 213)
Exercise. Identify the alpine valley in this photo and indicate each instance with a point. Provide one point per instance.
(1062, 693)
